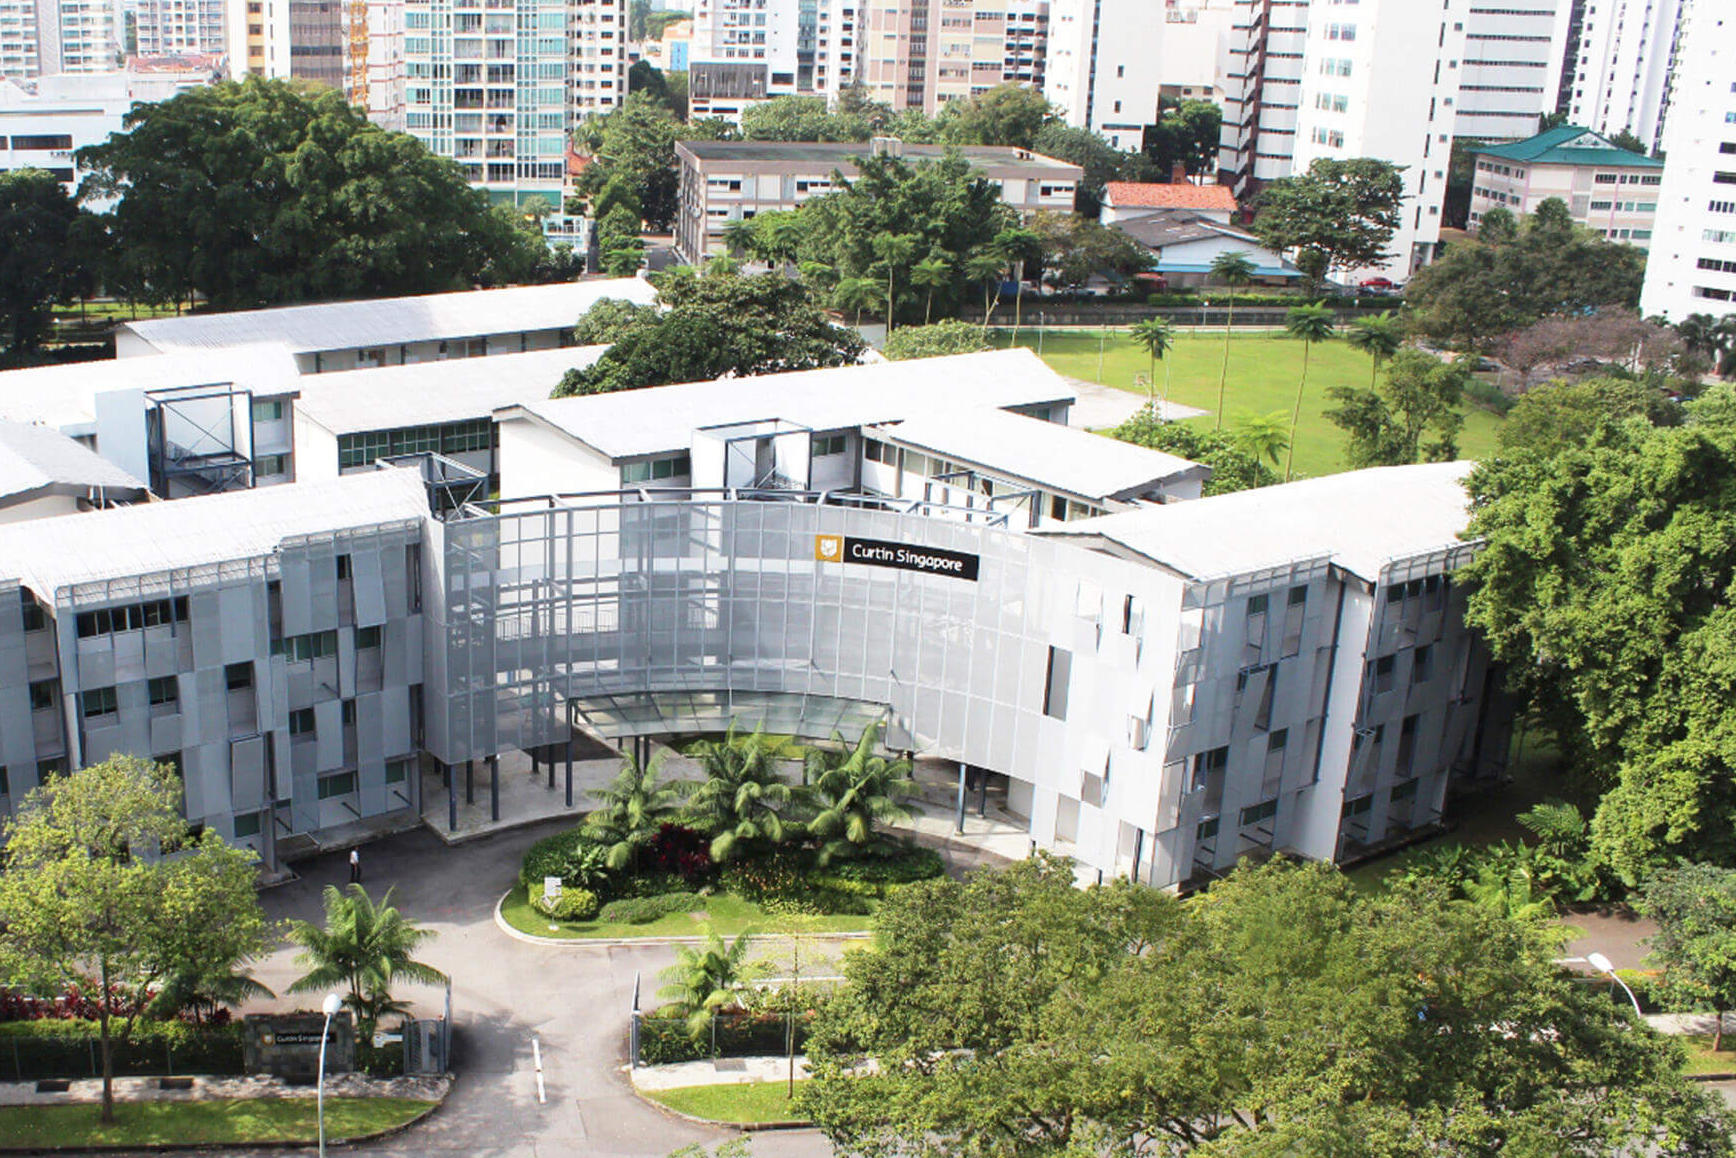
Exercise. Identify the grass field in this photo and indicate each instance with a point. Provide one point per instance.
(1264, 371)
(1701, 1059)
(726, 915)
(739, 1102)
(201, 1123)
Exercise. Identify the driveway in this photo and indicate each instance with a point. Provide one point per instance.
(574, 999)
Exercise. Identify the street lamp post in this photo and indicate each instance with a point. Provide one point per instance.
(330, 1006)
(1602, 964)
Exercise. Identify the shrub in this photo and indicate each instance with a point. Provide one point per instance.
(385, 1062)
(680, 851)
(69, 1049)
(1489, 395)
(574, 904)
(894, 864)
(665, 1040)
(570, 855)
(644, 910)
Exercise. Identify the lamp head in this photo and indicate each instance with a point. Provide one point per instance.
(1599, 962)
(331, 1004)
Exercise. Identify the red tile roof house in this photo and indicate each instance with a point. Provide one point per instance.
(1130, 200)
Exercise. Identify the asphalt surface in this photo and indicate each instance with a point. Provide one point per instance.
(574, 999)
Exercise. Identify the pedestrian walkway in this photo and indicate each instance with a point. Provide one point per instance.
(224, 1088)
(722, 1071)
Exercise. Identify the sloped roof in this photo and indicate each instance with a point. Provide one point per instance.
(1570, 145)
(37, 458)
(64, 395)
(1181, 195)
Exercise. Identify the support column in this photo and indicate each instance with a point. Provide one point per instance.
(569, 771)
(494, 788)
(451, 797)
(551, 769)
(470, 782)
(1138, 853)
(962, 770)
(535, 769)
(982, 794)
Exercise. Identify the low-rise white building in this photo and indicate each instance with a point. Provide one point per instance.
(1185, 243)
(1609, 189)
(44, 473)
(1133, 200)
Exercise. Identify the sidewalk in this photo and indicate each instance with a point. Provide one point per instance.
(207, 1089)
(724, 1071)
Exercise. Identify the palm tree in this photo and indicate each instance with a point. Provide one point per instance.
(985, 266)
(741, 236)
(1312, 323)
(633, 807)
(894, 251)
(1263, 436)
(202, 993)
(930, 274)
(856, 293)
(1379, 337)
(1156, 336)
(855, 789)
(1019, 246)
(704, 980)
(364, 946)
(742, 798)
(1235, 270)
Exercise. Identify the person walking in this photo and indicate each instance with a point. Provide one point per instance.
(355, 867)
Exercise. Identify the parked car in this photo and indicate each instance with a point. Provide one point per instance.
(1382, 284)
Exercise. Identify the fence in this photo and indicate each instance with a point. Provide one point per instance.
(1253, 317)
(660, 1041)
(31, 1058)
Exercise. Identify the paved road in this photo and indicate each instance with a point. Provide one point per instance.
(575, 999)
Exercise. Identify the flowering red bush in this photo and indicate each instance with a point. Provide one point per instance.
(75, 1003)
(680, 850)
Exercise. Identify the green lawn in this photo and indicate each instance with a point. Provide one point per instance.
(1701, 1059)
(201, 1123)
(1264, 372)
(723, 914)
(740, 1102)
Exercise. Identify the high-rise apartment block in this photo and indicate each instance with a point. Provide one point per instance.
(1620, 80)
(1692, 267)
(47, 37)
(178, 27)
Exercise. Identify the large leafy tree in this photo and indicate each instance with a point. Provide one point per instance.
(743, 800)
(713, 325)
(267, 191)
(1007, 114)
(1338, 215)
(1695, 910)
(1235, 465)
(1420, 395)
(804, 118)
(1282, 1013)
(1604, 584)
(632, 807)
(88, 899)
(1102, 162)
(635, 144)
(1557, 415)
(364, 945)
(855, 790)
(41, 261)
(1074, 249)
(1186, 133)
(953, 336)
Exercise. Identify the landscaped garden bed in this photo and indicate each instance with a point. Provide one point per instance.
(229, 1122)
(737, 1103)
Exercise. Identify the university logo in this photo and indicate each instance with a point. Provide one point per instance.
(829, 548)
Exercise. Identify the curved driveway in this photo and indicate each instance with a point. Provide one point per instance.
(575, 999)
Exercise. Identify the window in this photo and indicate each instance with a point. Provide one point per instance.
(349, 713)
(1254, 814)
(307, 648)
(1298, 596)
(343, 562)
(830, 445)
(397, 771)
(875, 451)
(1059, 675)
(1383, 674)
(1207, 763)
(98, 702)
(238, 676)
(1277, 741)
(1422, 664)
(267, 465)
(1256, 605)
(1404, 791)
(133, 617)
(247, 824)
(1206, 829)
(43, 693)
(164, 690)
(301, 722)
(367, 637)
(5, 783)
(269, 411)
(337, 784)
(35, 617)
(1359, 806)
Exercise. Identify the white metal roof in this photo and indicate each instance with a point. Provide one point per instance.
(1361, 520)
(422, 393)
(48, 554)
(1058, 457)
(662, 419)
(36, 458)
(394, 321)
(64, 396)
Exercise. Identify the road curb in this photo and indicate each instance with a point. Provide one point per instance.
(500, 923)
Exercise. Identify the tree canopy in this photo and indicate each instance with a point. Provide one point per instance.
(1420, 395)
(951, 336)
(1337, 215)
(40, 257)
(1513, 274)
(1605, 584)
(1283, 1012)
(265, 192)
(1235, 466)
(635, 144)
(713, 325)
(1186, 133)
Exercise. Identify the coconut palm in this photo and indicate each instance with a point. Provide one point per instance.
(365, 946)
(930, 274)
(1157, 337)
(1263, 436)
(633, 807)
(854, 790)
(742, 798)
(894, 251)
(985, 266)
(203, 992)
(741, 237)
(1019, 247)
(856, 293)
(1379, 337)
(705, 979)
(1311, 323)
(1235, 270)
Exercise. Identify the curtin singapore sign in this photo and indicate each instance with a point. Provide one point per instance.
(898, 556)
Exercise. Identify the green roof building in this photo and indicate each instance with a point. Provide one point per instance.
(1606, 188)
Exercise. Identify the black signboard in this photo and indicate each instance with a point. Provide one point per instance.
(898, 556)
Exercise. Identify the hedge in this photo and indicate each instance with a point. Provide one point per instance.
(571, 855)
(644, 910)
(574, 904)
(30, 1050)
(665, 1041)
(1220, 296)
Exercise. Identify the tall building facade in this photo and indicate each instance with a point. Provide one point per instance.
(1389, 79)
(177, 27)
(47, 37)
(1692, 267)
(1621, 78)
